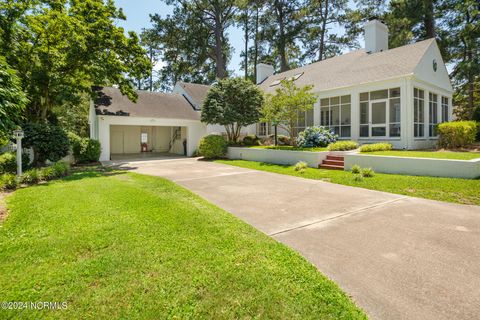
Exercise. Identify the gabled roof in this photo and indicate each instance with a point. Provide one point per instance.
(354, 68)
(110, 101)
(196, 92)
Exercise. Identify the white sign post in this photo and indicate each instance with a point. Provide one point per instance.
(18, 134)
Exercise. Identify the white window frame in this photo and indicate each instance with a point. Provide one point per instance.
(432, 114)
(419, 101)
(329, 123)
(387, 123)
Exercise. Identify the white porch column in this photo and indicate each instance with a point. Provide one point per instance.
(104, 138)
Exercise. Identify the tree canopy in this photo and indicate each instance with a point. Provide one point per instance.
(233, 103)
(12, 100)
(62, 48)
(284, 107)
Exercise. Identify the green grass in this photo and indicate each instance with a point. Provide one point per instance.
(463, 191)
(290, 148)
(137, 247)
(428, 154)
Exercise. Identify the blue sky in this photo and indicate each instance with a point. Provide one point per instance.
(138, 11)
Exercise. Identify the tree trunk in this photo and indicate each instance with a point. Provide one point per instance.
(281, 45)
(255, 53)
(246, 29)
(276, 135)
(429, 19)
(151, 73)
(221, 69)
(323, 31)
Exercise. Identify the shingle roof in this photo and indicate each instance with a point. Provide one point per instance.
(197, 92)
(355, 68)
(110, 101)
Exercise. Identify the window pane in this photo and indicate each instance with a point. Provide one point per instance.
(334, 100)
(345, 131)
(364, 96)
(336, 130)
(421, 130)
(415, 92)
(325, 117)
(345, 113)
(301, 118)
(395, 110)
(381, 94)
(335, 115)
(415, 110)
(421, 116)
(394, 92)
(345, 99)
(378, 131)
(363, 112)
(324, 102)
(421, 94)
(395, 130)
(379, 115)
(310, 118)
(364, 131)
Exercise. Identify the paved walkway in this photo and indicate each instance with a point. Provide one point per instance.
(398, 257)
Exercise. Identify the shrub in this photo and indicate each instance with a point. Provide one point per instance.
(301, 166)
(47, 173)
(212, 146)
(457, 134)
(8, 181)
(8, 162)
(367, 172)
(49, 142)
(343, 146)
(315, 137)
(355, 168)
(251, 140)
(281, 139)
(357, 178)
(60, 169)
(85, 150)
(376, 147)
(31, 176)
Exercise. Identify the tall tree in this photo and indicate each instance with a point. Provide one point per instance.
(62, 48)
(322, 15)
(12, 100)
(217, 16)
(283, 30)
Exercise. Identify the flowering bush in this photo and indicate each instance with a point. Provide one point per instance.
(316, 137)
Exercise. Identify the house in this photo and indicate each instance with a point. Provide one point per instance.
(373, 94)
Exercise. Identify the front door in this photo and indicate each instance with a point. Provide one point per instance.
(378, 118)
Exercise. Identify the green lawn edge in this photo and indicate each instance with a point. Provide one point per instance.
(449, 155)
(125, 245)
(463, 191)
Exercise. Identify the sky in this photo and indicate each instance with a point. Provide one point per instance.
(138, 11)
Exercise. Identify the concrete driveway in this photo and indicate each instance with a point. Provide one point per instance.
(398, 257)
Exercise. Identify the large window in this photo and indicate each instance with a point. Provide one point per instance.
(380, 113)
(444, 109)
(335, 113)
(432, 114)
(305, 119)
(418, 113)
(263, 129)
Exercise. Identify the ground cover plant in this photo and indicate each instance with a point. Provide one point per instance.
(465, 191)
(121, 245)
(376, 147)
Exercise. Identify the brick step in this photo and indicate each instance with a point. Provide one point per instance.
(330, 167)
(333, 162)
(336, 158)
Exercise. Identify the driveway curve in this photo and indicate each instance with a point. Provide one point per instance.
(398, 257)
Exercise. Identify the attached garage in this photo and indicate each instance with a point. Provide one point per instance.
(157, 124)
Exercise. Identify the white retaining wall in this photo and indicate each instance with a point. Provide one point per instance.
(313, 159)
(468, 169)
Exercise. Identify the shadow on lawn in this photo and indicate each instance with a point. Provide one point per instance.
(87, 173)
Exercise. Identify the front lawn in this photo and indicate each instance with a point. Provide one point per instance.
(290, 148)
(463, 191)
(128, 246)
(428, 154)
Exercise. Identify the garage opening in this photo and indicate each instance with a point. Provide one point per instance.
(129, 142)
